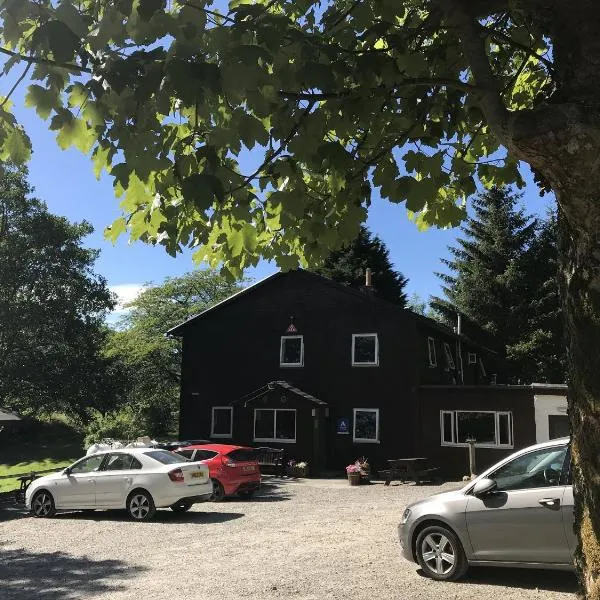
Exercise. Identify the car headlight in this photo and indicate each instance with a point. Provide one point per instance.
(405, 516)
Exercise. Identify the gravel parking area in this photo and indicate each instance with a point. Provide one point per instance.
(304, 539)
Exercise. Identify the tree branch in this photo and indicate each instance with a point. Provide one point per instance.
(505, 38)
(45, 61)
(16, 85)
(490, 96)
(409, 82)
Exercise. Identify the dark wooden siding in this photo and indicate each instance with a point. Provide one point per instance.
(454, 461)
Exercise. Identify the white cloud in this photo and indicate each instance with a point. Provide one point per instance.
(126, 292)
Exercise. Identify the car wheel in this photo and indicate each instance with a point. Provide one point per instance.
(246, 494)
(42, 505)
(218, 492)
(440, 554)
(140, 505)
(181, 507)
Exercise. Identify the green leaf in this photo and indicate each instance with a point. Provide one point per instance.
(75, 132)
(203, 189)
(16, 146)
(72, 18)
(118, 227)
(44, 100)
(147, 8)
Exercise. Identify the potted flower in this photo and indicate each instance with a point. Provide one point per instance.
(365, 469)
(353, 472)
(297, 469)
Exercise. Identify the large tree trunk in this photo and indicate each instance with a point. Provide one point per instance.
(580, 287)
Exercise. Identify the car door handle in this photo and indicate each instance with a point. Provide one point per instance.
(550, 502)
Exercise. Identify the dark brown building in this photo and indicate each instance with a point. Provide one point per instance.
(325, 371)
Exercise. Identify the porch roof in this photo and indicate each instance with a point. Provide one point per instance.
(285, 385)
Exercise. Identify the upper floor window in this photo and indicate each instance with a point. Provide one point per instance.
(431, 348)
(291, 352)
(487, 428)
(449, 358)
(472, 358)
(222, 421)
(365, 350)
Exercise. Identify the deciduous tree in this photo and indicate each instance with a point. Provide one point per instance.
(418, 98)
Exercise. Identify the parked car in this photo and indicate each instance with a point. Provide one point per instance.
(233, 469)
(518, 513)
(140, 480)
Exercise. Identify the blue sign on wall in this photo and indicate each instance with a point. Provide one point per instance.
(343, 425)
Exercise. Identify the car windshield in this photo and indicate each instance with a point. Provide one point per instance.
(165, 457)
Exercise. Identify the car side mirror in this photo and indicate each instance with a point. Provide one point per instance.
(67, 471)
(484, 487)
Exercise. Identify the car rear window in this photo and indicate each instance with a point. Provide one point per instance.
(243, 455)
(205, 454)
(165, 457)
(185, 453)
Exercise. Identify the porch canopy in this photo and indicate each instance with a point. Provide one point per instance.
(283, 386)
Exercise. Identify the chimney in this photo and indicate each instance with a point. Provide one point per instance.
(368, 278)
(459, 324)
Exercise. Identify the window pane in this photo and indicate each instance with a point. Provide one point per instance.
(478, 425)
(117, 462)
(365, 425)
(264, 423)
(286, 425)
(204, 455)
(541, 468)
(291, 352)
(447, 424)
(364, 349)
(186, 453)
(165, 457)
(504, 429)
(88, 465)
(243, 455)
(222, 421)
(431, 345)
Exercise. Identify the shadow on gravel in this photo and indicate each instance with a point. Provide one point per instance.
(527, 579)
(161, 516)
(59, 576)
(10, 511)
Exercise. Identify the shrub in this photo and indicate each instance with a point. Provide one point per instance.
(121, 424)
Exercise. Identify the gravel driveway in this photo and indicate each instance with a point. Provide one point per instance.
(305, 539)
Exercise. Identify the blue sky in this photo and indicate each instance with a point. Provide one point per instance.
(65, 181)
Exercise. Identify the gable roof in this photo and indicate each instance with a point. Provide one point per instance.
(177, 330)
(285, 385)
(359, 295)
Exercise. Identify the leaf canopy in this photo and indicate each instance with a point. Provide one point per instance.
(335, 100)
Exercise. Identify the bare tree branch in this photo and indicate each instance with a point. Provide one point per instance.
(16, 85)
(45, 61)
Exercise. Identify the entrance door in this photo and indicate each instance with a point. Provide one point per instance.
(558, 426)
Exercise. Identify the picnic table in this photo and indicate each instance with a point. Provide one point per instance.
(409, 469)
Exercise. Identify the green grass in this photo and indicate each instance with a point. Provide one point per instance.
(38, 447)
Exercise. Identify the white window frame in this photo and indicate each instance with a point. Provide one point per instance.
(365, 364)
(275, 439)
(366, 440)
(482, 367)
(281, 354)
(432, 356)
(212, 422)
(450, 364)
(497, 414)
(472, 358)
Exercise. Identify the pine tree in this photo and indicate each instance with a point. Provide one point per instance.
(349, 264)
(489, 281)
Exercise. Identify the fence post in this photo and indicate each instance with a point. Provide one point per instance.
(472, 463)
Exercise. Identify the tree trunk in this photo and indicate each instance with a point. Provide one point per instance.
(580, 291)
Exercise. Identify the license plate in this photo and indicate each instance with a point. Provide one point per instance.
(197, 474)
(249, 468)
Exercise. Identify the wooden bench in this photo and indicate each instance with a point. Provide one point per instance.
(271, 457)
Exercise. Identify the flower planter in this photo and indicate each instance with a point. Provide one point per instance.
(354, 478)
(297, 471)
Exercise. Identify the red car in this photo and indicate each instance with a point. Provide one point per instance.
(233, 469)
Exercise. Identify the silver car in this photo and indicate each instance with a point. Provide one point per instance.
(518, 513)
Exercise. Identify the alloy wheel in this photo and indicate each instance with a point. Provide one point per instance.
(42, 505)
(139, 506)
(438, 553)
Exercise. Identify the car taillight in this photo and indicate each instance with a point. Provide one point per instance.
(176, 475)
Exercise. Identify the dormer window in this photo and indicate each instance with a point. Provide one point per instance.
(449, 358)
(291, 353)
(365, 350)
(431, 348)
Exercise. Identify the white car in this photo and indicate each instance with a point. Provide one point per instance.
(140, 480)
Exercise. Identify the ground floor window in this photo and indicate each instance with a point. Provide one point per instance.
(366, 425)
(487, 428)
(274, 425)
(222, 421)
